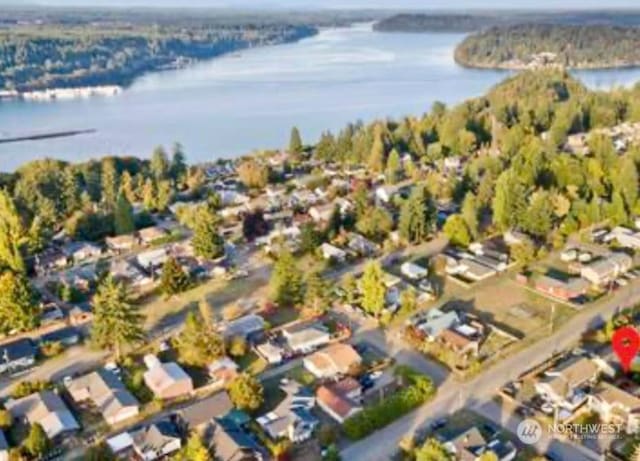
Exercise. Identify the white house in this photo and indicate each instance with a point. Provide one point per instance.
(332, 252)
(607, 269)
(306, 338)
(413, 271)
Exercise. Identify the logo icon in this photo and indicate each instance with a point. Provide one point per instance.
(529, 431)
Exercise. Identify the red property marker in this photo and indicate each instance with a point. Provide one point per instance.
(626, 342)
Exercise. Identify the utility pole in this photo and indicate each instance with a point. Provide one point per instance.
(553, 311)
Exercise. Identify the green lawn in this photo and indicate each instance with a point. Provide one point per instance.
(252, 363)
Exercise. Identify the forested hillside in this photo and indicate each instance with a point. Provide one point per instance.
(59, 56)
(529, 45)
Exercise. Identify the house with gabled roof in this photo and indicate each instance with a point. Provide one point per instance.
(336, 359)
(47, 409)
(292, 417)
(107, 393)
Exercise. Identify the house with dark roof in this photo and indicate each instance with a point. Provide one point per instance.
(156, 440)
(232, 443)
(198, 414)
(469, 445)
(17, 355)
(292, 417)
(67, 336)
(107, 393)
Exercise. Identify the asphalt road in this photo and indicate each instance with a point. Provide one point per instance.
(452, 395)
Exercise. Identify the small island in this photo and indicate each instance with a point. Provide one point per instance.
(526, 46)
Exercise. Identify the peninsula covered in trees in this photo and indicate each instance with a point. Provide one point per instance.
(35, 57)
(572, 46)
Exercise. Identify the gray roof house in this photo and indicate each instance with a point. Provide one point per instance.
(203, 411)
(436, 322)
(292, 418)
(107, 393)
(156, 440)
(17, 355)
(47, 409)
(232, 443)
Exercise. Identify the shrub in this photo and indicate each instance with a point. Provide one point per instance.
(25, 388)
(417, 390)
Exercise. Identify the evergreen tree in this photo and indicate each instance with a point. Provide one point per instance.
(124, 222)
(377, 153)
(198, 344)
(417, 216)
(286, 286)
(11, 234)
(317, 292)
(373, 288)
(246, 392)
(538, 220)
(509, 202)
(116, 321)
(394, 168)
(128, 187)
(173, 280)
(310, 238)
(159, 164)
(70, 190)
(37, 443)
(165, 195)
(470, 213)
(178, 168)
(109, 182)
(456, 230)
(149, 195)
(207, 242)
(18, 309)
(295, 141)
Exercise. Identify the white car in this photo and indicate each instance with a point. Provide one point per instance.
(112, 367)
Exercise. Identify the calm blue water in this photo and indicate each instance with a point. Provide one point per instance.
(238, 103)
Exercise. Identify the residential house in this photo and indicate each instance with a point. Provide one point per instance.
(607, 269)
(616, 406)
(458, 342)
(322, 213)
(156, 440)
(67, 336)
(107, 393)
(197, 415)
(223, 370)
(304, 337)
(271, 352)
(469, 445)
(166, 380)
(333, 253)
(340, 400)
(336, 359)
(17, 355)
(413, 271)
(362, 245)
(121, 243)
(50, 259)
(123, 270)
(148, 235)
(245, 326)
(81, 251)
(625, 237)
(292, 417)
(45, 408)
(151, 260)
(563, 385)
(435, 322)
(232, 443)
(571, 288)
